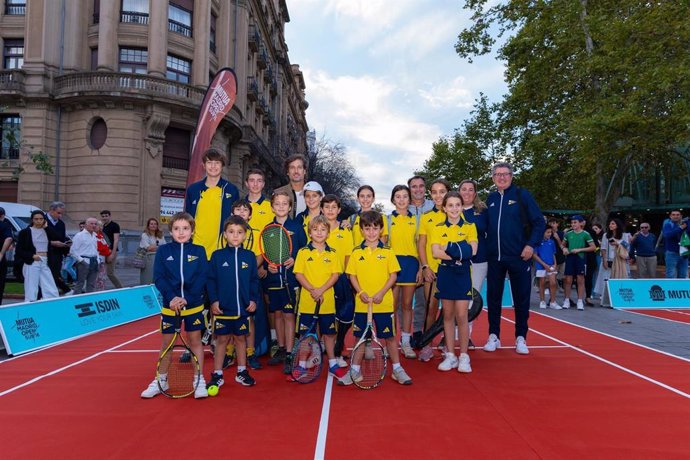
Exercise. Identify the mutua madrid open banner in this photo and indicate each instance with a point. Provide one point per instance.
(219, 99)
(649, 293)
(28, 326)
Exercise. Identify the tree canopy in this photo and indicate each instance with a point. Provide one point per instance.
(593, 89)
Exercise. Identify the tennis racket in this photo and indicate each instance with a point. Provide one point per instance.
(418, 343)
(306, 354)
(275, 246)
(182, 375)
(370, 355)
(436, 327)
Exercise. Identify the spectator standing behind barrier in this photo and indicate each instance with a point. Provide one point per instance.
(515, 227)
(676, 265)
(84, 250)
(104, 251)
(643, 250)
(60, 247)
(112, 231)
(32, 249)
(151, 239)
(6, 241)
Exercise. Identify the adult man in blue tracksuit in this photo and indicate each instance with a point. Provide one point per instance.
(516, 226)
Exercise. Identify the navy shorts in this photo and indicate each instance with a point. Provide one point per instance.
(235, 325)
(575, 265)
(344, 299)
(409, 266)
(279, 300)
(326, 324)
(454, 282)
(193, 322)
(383, 322)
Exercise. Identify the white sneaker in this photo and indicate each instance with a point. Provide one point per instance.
(464, 363)
(566, 304)
(201, 391)
(68, 293)
(449, 362)
(153, 389)
(492, 343)
(408, 352)
(542, 304)
(521, 346)
(580, 305)
(341, 361)
(555, 306)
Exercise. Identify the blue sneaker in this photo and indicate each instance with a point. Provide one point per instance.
(338, 372)
(298, 372)
(253, 362)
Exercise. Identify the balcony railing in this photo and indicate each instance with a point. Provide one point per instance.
(16, 9)
(175, 163)
(11, 81)
(179, 28)
(262, 59)
(9, 153)
(134, 17)
(252, 89)
(134, 85)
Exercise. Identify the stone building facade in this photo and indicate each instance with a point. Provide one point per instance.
(108, 92)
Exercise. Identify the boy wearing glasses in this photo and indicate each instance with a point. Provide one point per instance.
(643, 246)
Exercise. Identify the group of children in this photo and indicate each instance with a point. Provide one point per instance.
(575, 244)
(345, 265)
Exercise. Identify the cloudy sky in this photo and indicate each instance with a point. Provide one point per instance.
(383, 79)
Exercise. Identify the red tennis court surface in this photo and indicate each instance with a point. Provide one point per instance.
(579, 394)
(679, 315)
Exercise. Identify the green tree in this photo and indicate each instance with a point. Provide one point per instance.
(470, 151)
(593, 89)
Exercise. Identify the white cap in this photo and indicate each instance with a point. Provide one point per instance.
(312, 186)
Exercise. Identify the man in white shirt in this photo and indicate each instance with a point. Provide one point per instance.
(85, 251)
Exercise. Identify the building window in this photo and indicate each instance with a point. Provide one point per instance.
(133, 60)
(135, 11)
(15, 7)
(10, 133)
(176, 148)
(178, 69)
(179, 20)
(94, 59)
(98, 133)
(13, 54)
(212, 34)
(96, 11)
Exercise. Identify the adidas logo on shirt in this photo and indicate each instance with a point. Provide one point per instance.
(310, 259)
(170, 258)
(243, 328)
(225, 264)
(361, 258)
(196, 322)
(386, 330)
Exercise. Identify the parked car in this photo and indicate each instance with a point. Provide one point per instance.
(19, 216)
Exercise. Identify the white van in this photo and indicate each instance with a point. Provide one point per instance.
(19, 216)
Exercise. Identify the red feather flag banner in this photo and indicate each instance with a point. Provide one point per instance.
(219, 99)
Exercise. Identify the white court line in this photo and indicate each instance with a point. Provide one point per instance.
(676, 311)
(611, 336)
(132, 351)
(656, 317)
(320, 452)
(81, 361)
(610, 363)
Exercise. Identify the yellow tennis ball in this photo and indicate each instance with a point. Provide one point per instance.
(212, 390)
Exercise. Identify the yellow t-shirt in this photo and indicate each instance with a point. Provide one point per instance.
(427, 222)
(358, 238)
(445, 233)
(317, 266)
(340, 239)
(403, 234)
(262, 214)
(373, 267)
(207, 221)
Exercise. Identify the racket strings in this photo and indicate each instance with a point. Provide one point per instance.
(182, 373)
(372, 365)
(307, 360)
(275, 245)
